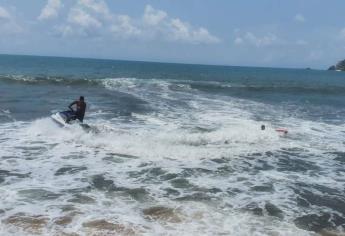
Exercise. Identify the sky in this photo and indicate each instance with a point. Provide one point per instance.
(268, 33)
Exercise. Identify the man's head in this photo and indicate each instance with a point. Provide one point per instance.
(81, 98)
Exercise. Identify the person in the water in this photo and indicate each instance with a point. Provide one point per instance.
(279, 130)
(80, 108)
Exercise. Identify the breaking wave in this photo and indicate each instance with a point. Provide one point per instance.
(207, 86)
(172, 156)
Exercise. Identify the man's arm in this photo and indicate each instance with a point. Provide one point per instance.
(70, 106)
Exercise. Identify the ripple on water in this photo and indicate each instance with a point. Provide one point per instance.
(220, 160)
(139, 194)
(338, 156)
(336, 203)
(122, 155)
(168, 176)
(254, 208)
(38, 194)
(263, 165)
(6, 173)
(188, 172)
(224, 170)
(100, 183)
(196, 197)
(69, 170)
(181, 183)
(263, 188)
(287, 163)
(147, 174)
(320, 222)
(171, 192)
(273, 210)
(82, 199)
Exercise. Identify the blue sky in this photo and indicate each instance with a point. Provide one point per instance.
(277, 33)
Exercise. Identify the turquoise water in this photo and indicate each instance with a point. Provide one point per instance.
(173, 149)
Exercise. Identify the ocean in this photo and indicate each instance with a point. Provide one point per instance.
(173, 149)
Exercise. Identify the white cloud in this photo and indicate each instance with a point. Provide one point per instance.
(153, 16)
(238, 40)
(97, 6)
(202, 35)
(88, 17)
(299, 18)
(64, 30)
(158, 25)
(301, 42)
(4, 14)
(124, 27)
(250, 38)
(342, 33)
(182, 31)
(83, 19)
(50, 10)
(8, 23)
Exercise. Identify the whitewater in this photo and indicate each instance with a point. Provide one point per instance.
(172, 150)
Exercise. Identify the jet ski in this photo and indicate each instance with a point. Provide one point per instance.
(65, 118)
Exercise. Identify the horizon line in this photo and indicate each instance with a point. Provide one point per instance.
(161, 62)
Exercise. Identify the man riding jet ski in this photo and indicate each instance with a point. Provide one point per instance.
(67, 117)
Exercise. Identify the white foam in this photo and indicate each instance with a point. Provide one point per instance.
(174, 139)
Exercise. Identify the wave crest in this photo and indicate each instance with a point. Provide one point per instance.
(129, 84)
(58, 80)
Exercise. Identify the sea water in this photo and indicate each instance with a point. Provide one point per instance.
(173, 149)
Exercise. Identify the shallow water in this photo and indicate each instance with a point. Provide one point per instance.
(172, 150)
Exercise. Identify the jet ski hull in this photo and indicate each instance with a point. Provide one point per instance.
(64, 118)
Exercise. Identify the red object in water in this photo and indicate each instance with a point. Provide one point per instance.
(282, 130)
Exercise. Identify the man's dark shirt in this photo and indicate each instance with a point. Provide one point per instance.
(81, 107)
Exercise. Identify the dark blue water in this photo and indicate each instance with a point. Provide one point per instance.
(173, 149)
